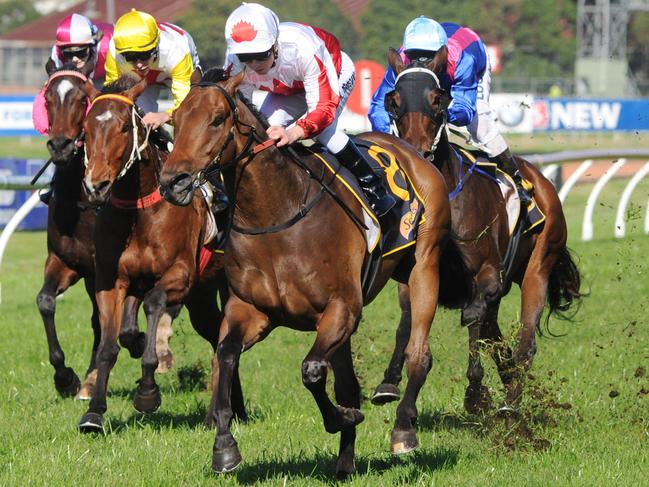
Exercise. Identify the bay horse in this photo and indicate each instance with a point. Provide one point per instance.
(145, 247)
(475, 277)
(295, 259)
(70, 227)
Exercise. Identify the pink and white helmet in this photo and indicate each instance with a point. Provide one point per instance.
(251, 28)
(76, 30)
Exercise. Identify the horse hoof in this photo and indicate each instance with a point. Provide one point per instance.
(84, 394)
(91, 423)
(226, 460)
(477, 402)
(147, 401)
(344, 469)
(67, 383)
(385, 393)
(347, 418)
(403, 441)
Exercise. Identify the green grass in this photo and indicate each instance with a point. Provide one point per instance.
(588, 398)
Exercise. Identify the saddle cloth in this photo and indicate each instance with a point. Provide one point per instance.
(533, 217)
(397, 229)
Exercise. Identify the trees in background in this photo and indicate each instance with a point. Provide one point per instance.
(14, 13)
(206, 23)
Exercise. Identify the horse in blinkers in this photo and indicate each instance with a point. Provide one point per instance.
(489, 250)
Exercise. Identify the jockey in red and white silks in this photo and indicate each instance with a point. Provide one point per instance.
(310, 74)
(306, 75)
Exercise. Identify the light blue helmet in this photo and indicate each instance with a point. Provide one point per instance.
(424, 34)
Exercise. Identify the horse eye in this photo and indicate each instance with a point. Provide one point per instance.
(127, 127)
(218, 121)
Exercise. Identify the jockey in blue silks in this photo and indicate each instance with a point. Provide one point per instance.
(468, 81)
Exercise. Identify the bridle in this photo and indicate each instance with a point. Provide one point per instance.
(420, 104)
(136, 150)
(79, 139)
(249, 152)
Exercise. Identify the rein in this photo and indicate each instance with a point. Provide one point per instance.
(249, 152)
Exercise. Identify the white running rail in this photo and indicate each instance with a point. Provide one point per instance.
(587, 228)
(620, 223)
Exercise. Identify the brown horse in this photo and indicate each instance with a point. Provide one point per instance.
(475, 276)
(145, 247)
(301, 268)
(70, 228)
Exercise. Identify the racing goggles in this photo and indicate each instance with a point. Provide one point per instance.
(255, 56)
(69, 53)
(135, 56)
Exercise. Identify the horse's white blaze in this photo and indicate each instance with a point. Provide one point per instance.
(88, 178)
(63, 88)
(105, 116)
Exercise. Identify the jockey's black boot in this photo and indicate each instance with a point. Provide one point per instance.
(45, 196)
(372, 184)
(507, 163)
(220, 200)
(162, 139)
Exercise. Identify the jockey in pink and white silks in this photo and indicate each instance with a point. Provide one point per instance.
(78, 40)
(306, 75)
(467, 79)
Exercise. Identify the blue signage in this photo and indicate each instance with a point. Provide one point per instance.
(21, 171)
(591, 115)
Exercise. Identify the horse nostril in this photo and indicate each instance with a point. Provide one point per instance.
(57, 146)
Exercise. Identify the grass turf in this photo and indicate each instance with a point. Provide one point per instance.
(587, 401)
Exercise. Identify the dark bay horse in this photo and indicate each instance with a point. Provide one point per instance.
(70, 226)
(145, 246)
(474, 277)
(287, 266)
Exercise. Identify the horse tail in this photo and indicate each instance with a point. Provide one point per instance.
(564, 287)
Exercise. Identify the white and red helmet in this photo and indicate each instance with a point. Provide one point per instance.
(251, 28)
(76, 30)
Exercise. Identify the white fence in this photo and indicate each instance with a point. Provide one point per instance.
(550, 163)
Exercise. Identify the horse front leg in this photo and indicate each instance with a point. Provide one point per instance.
(534, 291)
(147, 395)
(388, 390)
(130, 336)
(488, 289)
(348, 394)
(424, 291)
(58, 278)
(110, 304)
(85, 392)
(242, 326)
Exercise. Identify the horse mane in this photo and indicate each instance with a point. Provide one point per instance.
(214, 75)
(69, 66)
(123, 83)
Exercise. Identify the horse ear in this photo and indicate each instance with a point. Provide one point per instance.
(392, 102)
(89, 89)
(136, 90)
(395, 62)
(438, 63)
(439, 100)
(233, 82)
(50, 66)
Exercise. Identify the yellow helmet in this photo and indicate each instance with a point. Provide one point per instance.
(136, 32)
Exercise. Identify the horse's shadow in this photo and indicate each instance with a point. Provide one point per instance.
(162, 420)
(438, 420)
(321, 466)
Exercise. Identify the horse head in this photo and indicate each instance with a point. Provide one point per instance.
(113, 132)
(66, 100)
(205, 125)
(418, 104)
